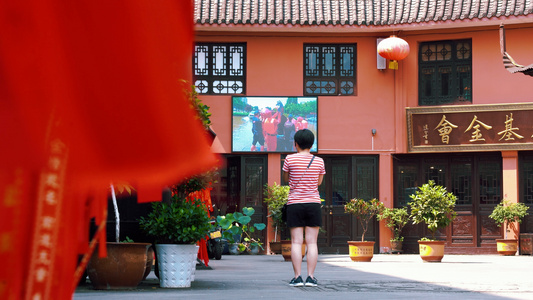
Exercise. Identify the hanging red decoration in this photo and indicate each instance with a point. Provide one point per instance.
(393, 49)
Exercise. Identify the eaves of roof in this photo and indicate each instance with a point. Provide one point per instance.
(356, 15)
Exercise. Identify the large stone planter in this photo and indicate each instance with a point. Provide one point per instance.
(176, 264)
(123, 268)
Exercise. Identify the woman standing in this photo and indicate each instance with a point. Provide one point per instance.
(305, 173)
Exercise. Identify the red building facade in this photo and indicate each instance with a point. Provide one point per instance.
(381, 132)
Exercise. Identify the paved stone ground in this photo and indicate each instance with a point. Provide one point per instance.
(489, 277)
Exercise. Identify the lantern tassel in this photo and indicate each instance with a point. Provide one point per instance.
(393, 64)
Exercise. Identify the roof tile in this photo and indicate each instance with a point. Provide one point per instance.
(353, 12)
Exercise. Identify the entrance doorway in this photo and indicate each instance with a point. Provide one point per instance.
(347, 177)
(240, 184)
(476, 180)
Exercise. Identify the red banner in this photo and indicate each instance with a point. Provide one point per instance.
(103, 78)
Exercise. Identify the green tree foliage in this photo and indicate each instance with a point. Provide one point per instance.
(364, 211)
(434, 206)
(179, 222)
(508, 212)
(395, 220)
(303, 109)
(275, 197)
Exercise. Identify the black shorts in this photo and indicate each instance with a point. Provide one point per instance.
(258, 138)
(304, 215)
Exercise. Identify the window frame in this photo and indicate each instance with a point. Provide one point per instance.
(210, 78)
(459, 84)
(337, 78)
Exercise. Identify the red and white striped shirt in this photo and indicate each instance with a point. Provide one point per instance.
(303, 185)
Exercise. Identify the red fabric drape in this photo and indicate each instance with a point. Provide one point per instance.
(205, 196)
(90, 94)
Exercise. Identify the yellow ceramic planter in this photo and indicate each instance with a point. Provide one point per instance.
(361, 251)
(431, 251)
(507, 247)
(286, 250)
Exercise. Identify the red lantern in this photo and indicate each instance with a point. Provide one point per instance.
(393, 49)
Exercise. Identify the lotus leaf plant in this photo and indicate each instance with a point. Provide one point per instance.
(238, 229)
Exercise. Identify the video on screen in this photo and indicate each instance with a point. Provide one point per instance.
(268, 124)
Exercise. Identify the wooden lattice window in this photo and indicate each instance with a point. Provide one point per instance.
(220, 68)
(445, 72)
(330, 69)
(526, 181)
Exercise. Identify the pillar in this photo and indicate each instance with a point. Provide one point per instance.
(510, 181)
(385, 195)
(274, 176)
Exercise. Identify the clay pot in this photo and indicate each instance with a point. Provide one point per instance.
(431, 251)
(361, 251)
(286, 249)
(149, 261)
(275, 247)
(507, 246)
(396, 246)
(123, 268)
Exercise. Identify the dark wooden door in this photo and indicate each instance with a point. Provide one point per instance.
(526, 189)
(252, 183)
(246, 176)
(476, 181)
(346, 177)
(233, 179)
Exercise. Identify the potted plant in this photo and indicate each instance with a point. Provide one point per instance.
(395, 219)
(507, 213)
(177, 226)
(276, 196)
(127, 263)
(239, 230)
(433, 205)
(364, 211)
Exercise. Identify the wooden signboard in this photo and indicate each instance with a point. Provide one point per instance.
(495, 127)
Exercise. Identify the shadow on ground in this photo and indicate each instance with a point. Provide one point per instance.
(386, 277)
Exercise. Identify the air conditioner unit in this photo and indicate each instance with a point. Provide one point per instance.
(381, 61)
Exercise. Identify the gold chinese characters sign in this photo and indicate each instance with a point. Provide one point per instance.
(470, 128)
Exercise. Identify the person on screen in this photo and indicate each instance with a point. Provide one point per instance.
(304, 172)
(301, 123)
(270, 127)
(288, 134)
(281, 133)
(257, 130)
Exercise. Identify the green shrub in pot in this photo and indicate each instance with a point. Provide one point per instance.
(395, 219)
(508, 213)
(434, 206)
(364, 211)
(275, 197)
(179, 222)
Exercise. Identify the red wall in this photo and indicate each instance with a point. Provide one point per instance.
(275, 68)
